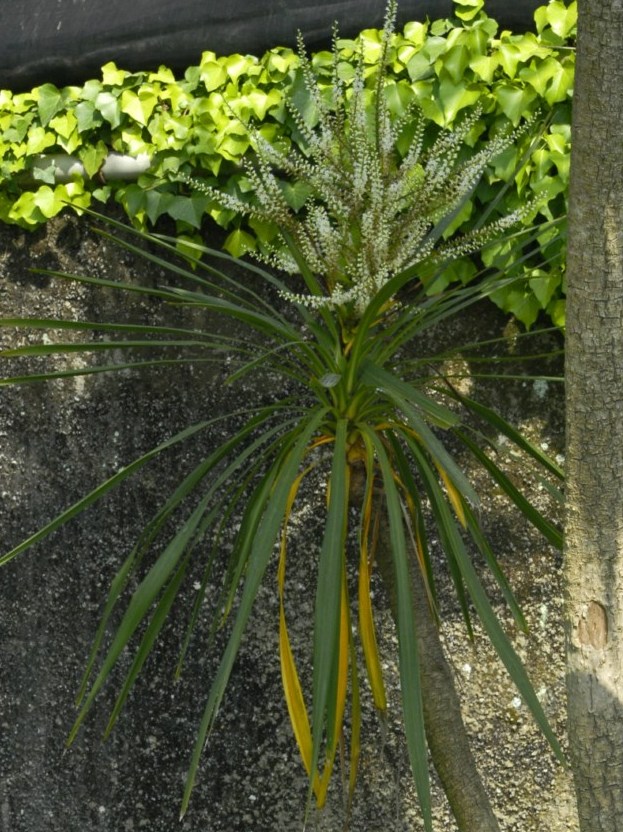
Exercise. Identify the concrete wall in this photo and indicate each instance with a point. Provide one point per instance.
(57, 441)
(61, 439)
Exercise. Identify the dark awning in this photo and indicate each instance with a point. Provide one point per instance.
(67, 41)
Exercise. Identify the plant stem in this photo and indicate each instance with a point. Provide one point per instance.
(445, 731)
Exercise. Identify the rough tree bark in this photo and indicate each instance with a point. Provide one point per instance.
(594, 376)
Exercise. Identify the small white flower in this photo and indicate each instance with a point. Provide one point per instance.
(369, 215)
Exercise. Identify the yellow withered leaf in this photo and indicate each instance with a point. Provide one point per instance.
(454, 497)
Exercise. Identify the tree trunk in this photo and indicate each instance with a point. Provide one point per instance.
(594, 377)
(445, 732)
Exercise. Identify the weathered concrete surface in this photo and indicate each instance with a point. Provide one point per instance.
(58, 441)
(61, 439)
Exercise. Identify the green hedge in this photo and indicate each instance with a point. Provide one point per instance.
(198, 125)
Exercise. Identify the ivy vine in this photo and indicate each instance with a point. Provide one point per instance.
(198, 124)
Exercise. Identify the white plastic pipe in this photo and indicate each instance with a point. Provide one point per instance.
(115, 166)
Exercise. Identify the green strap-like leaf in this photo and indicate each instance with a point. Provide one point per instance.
(144, 596)
(501, 425)
(103, 489)
(438, 414)
(421, 459)
(407, 641)
(327, 606)
(481, 541)
(262, 548)
(98, 346)
(99, 326)
(451, 539)
(32, 378)
(148, 640)
(420, 543)
(409, 401)
(189, 484)
(551, 532)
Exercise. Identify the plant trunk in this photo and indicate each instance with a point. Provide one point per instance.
(445, 732)
(594, 456)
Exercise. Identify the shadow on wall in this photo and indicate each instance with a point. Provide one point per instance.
(58, 441)
(69, 40)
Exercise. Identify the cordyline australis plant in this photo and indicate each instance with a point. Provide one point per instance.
(369, 232)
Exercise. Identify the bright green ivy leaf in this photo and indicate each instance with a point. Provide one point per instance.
(280, 63)
(260, 102)
(561, 18)
(139, 107)
(514, 102)
(17, 132)
(399, 97)
(435, 47)
(133, 141)
(108, 105)
(92, 157)
(236, 65)
(468, 9)
(50, 101)
(544, 286)
(520, 303)
(455, 62)
(420, 66)
(111, 76)
(440, 27)
(25, 101)
(64, 124)
(371, 45)
(519, 50)
(190, 210)
(39, 140)
(455, 97)
(157, 203)
(539, 74)
(24, 211)
(561, 83)
(90, 90)
(102, 194)
(239, 242)
(47, 201)
(296, 194)
(187, 244)
(484, 66)
(265, 231)
(164, 76)
(87, 116)
(134, 199)
(415, 33)
(74, 193)
(213, 75)
(549, 187)
(429, 106)
(556, 312)
(44, 174)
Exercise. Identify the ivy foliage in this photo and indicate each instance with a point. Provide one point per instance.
(199, 125)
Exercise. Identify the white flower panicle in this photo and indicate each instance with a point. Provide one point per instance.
(368, 213)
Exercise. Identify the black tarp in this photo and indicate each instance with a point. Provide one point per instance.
(67, 41)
